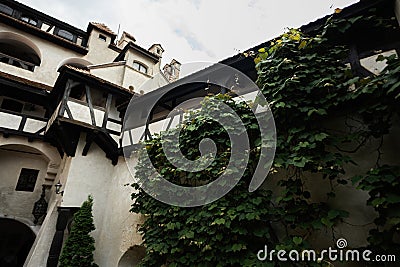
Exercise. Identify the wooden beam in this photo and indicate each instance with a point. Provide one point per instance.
(68, 110)
(89, 101)
(65, 98)
(22, 124)
(115, 121)
(108, 107)
(89, 141)
(355, 63)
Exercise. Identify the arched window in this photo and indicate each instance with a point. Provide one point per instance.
(139, 67)
(18, 51)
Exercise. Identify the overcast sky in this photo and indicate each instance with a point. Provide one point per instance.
(193, 30)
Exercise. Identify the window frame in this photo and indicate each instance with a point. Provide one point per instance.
(58, 30)
(102, 37)
(140, 66)
(31, 177)
(4, 8)
(28, 19)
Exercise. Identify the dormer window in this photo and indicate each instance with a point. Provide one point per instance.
(6, 9)
(66, 35)
(139, 67)
(29, 20)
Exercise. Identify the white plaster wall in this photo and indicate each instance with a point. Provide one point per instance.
(99, 52)
(19, 203)
(134, 78)
(143, 82)
(81, 112)
(113, 74)
(10, 121)
(119, 225)
(88, 175)
(114, 113)
(16, 203)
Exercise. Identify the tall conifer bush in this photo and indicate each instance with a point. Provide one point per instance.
(79, 247)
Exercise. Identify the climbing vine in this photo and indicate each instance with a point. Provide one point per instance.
(310, 88)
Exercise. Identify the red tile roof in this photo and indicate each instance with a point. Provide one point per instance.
(102, 27)
(25, 81)
(129, 35)
(88, 74)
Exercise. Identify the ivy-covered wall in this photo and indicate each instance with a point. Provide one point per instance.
(336, 171)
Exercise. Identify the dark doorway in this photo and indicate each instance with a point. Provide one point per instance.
(16, 240)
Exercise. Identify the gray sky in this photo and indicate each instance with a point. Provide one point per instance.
(193, 30)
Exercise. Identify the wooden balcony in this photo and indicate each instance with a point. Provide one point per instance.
(86, 115)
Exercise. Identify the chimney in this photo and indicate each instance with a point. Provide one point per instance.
(172, 70)
(156, 49)
(125, 39)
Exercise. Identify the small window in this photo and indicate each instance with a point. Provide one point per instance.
(12, 105)
(29, 20)
(102, 37)
(6, 9)
(27, 180)
(66, 35)
(140, 67)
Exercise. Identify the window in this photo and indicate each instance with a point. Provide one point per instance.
(18, 51)
(78, 92)
(66, 35)
(27, 180)
(102, 37)
(12, 105)
(29, 20)
(140, 67)
(6, 9)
